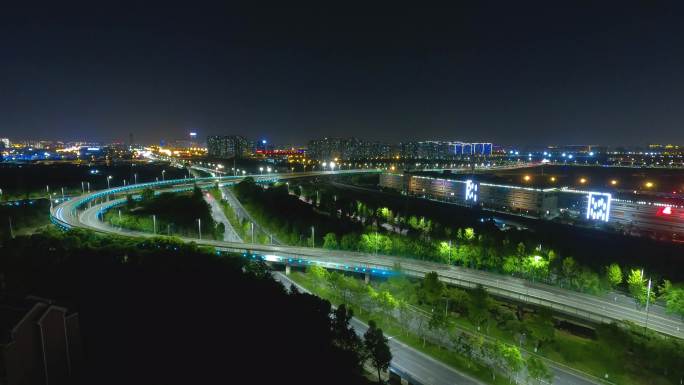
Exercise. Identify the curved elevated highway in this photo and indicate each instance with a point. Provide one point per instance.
(84, 212)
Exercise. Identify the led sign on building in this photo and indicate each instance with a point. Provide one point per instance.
(471, 191)
(598, 206)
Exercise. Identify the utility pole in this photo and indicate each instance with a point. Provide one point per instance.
(135, 176)
(154, 224)
(648, 300)
(313, 238)
(199, 228)
(251, 225)
(449, 260)
(82, 187)
(10, 226)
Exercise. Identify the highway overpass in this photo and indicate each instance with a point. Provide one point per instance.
(84, 212)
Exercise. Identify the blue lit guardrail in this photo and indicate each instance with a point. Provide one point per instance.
(304, 262)
(57, 215)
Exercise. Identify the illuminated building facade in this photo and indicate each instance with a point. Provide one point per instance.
(444, 150)
(328, 149)
(225, 147)
(656, 219)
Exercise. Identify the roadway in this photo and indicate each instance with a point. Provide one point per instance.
(84, 212)
(406, 359)
(586, 306)
(219, 216)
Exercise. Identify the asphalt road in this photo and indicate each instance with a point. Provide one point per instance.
(423, 368)
(594, 308)
(219, 216)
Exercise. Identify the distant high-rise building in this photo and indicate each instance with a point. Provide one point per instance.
(347, 149)
(443, 150)
(232, 146)
(4, 143)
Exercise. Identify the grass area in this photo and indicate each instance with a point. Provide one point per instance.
(608, 354)
(391, 328)
(24, 217)
(174, 215)
(243, 229)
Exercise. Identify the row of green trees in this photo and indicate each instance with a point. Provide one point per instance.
(357, 226)
(427, 310)
(474, 324)
(390, 232)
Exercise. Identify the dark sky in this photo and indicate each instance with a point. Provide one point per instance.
(509, 72)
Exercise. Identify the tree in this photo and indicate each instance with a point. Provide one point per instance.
(317, 274)
(344, 335)
(330, 241)
(508, 357)
(386, 302)
(569, 267)
(349, 241)
(520, 250)
(469, 234)
(673, 297)
(375, 242)
(478, 308)
(446, 251)
(614, 274)
(542, 327)
(432, 289)
(637, 287)
(220, 230)
(538, 370)
(438, 320)
(377, 347)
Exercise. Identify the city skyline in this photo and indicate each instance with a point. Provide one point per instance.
(522, 74)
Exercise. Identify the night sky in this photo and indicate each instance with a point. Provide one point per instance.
(608, 73)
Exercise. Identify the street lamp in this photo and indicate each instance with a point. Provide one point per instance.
(199, 228)
(268, 169)
(108, 179)
(163, 172)
(135, 176)
(154, 224)
(313, 238)
(261, 170)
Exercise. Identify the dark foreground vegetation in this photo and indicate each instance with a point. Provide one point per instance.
(163, 312)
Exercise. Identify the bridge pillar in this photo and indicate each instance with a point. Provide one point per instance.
(367, 278)
(287, 269)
